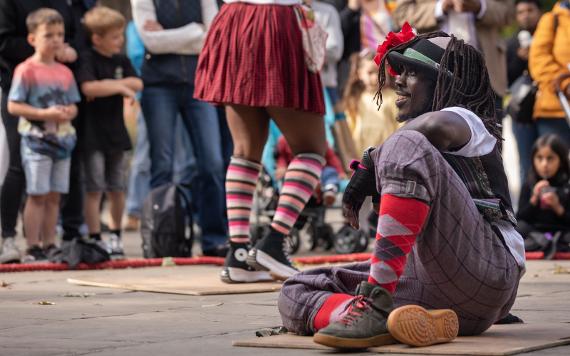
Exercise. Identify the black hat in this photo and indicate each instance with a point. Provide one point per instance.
(423, 54)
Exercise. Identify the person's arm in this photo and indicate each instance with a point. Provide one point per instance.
(335, 41)
(133, 83)
(544, 68)
(53, 113)
(188, 39)
(14, 47)
(420, 14)
(106, 87)
(446, 131)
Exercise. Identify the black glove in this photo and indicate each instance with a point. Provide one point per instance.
(362, 184)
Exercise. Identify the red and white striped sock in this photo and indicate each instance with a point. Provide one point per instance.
(399, 223)
(333, 309)
(241, 179)
(301, 178)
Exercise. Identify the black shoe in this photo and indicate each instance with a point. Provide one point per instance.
(269, 255)
(236, 269)
(364, 324)
(550, 251)
(34, 254)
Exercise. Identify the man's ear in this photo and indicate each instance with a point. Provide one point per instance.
(31, 39)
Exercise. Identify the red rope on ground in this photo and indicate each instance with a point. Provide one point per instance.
(217, 261)
(118, 264)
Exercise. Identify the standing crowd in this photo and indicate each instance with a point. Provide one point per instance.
(64, 73)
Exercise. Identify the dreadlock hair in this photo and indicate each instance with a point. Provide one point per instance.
(469, 86)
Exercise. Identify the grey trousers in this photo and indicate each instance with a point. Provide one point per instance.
(459, 262)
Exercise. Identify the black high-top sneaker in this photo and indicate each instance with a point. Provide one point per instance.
(236, 269)
(364, 324)
(269, 255)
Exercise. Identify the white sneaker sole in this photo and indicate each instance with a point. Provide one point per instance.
(239, 275)
(261, 260)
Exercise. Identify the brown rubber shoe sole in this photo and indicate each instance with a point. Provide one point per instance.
(345, 343)
(415, 326)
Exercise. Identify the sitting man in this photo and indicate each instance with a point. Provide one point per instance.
(445, 237)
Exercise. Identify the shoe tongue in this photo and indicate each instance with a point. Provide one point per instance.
(378, 296)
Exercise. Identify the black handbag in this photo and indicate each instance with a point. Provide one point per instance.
(523, 94)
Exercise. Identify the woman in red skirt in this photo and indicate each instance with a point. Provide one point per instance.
(253, 63)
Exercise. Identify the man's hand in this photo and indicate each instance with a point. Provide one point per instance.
(152, 26)
(473, 6)
(66, 54)
(522, 53)
(361, 185)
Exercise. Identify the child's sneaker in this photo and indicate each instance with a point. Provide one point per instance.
(269, 255)
(236, 269)
(116, 247)
(9, 251)
(34, 254)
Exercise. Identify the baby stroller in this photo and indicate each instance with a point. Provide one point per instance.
(312, 219)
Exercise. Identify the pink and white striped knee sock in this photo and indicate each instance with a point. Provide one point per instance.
(241, 179)
(301, 178)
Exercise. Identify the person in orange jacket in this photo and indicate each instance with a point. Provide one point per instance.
(549, 58)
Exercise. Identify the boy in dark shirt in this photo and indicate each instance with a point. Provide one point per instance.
(106, 77)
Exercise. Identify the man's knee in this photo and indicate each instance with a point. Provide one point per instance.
(406, 166)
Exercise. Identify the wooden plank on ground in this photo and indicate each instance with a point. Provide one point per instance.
(188, 280)
(498, 340)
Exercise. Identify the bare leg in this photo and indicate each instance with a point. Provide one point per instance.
(249, 127)
(117, 207)
(51, 214)
(92, 211)
(306, 136)
(33, 218)
(304, 131)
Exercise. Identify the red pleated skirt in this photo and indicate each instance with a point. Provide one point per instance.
(253, 55)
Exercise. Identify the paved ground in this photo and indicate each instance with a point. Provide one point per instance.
(99, 321)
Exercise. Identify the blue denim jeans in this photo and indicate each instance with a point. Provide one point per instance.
(139, 179)
(161, 106)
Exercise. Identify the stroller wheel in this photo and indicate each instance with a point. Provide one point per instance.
(292, 242)
(348, 240)
(322, 236)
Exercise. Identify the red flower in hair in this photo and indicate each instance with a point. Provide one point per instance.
(392, 40)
